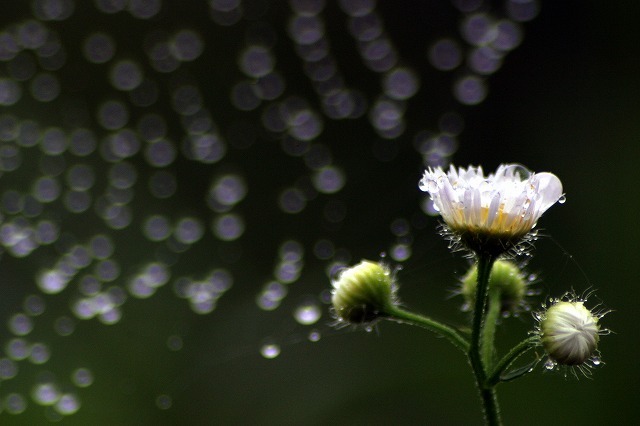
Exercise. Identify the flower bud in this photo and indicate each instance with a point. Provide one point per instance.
(569, 332)
(363, 292)
(505, 276)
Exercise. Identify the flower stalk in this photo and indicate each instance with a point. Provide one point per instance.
(400, 315)
(477, 346)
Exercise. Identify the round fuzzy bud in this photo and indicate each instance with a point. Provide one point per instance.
(569, 332)
(505, 276)
(363, 292)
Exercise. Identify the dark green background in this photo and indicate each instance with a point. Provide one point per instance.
(566, 101)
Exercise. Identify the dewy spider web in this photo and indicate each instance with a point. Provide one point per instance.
(149, 144)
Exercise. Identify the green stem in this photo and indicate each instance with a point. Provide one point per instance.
(489, 399)
(509, 358)
(494, 306)
(491, 409)
(443, 330)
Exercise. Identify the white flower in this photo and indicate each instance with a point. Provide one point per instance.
(569, 332)
(505, 205)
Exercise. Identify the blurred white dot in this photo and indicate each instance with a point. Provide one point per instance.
(77, 201)
(46, 189)
(20, 324)
(52, 10)
(82, 142)
(228, 190)
(157, 228)
(509, 36)
(522, 10)
(187, 100)
(122, 175)
(101, 246)
(164, 402)
(228, 227)
(445, 55)
(34, 305)
(54, 141)
(270, 86)
(244, 96)
(357, 7)
(64, 326)
(479, 29)
(45, 394)
(10, 92)
(113, 115)
(82, 377)
(99, 47)
(46, 232)
(256, 61)
(40, 353)
(45, 87)
(15, 403)
(270, 350)
(17, 349)
(32, 34)
(401, 83)
(160, 153)
(307, 7)
(328, 180)
(366, 27)
(188, 230)
(186, 45)
(306, 29)
(125, 75)
(8, 368)
(80, 177)
(470, 90)
(111, 6)
(305, 125)
(307, 313)
(144, 9)
(67, 404)
(400, 252)
(484, 60)
(292, 201)
(207, 148)
(386, 115)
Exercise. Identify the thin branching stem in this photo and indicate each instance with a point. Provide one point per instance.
(400, 315)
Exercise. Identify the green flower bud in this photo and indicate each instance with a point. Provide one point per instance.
(363, 292)
(569, 332)
(505, 276)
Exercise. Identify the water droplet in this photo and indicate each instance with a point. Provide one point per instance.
(550, 364)
(562, 199)
(270, 350)
(164, 402)
(314, 336)
(307, 313)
